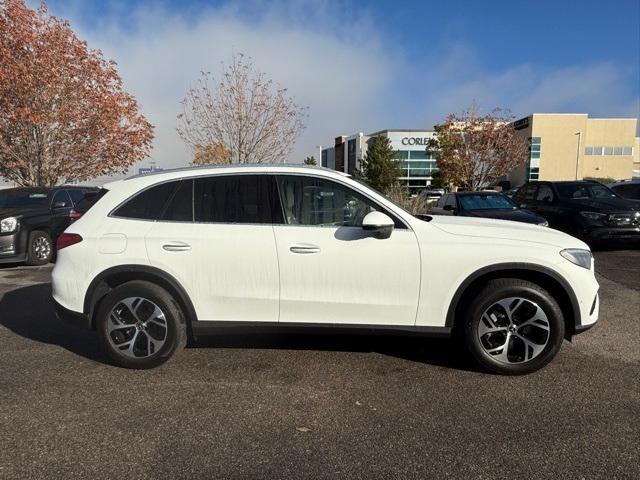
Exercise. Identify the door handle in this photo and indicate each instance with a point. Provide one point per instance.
(176, 247)
(304, 248)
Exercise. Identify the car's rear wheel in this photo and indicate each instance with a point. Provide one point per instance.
(39, 248)
(513, 327)
(140, 325)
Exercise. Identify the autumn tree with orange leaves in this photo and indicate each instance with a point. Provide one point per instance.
(64, 115)
(475, 150)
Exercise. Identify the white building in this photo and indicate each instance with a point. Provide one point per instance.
(410, 146)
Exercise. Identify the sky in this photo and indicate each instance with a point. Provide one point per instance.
(366, 66)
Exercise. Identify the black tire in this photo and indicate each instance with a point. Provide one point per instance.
(176, 332)
(532, 294)
(39, 248)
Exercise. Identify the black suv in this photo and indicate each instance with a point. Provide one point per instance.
(584, 209)
(32, 218)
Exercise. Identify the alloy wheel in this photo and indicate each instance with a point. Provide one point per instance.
(42, 248)
(514, 330)
(137, 327)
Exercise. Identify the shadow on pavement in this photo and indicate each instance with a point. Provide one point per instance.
(28, 312)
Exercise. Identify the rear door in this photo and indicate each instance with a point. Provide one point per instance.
(215, 236)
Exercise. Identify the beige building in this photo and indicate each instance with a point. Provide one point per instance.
(574, 146)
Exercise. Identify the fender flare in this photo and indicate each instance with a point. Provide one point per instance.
(532, 267)
(162, 278)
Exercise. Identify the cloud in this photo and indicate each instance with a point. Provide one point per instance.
(160, 54)
(352, 76)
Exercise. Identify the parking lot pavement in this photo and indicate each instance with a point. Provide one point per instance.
(285, 406)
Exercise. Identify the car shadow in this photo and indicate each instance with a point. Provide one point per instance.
(28, 312)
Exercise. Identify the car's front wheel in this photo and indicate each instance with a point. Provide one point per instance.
(39, 248)
(513, 326)
(140, 325)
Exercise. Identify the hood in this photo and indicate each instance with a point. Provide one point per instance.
(505, 230)
(514, 215)
(21, 212)
(613, 204)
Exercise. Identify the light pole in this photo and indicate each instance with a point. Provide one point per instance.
(319, 161)
(578, 152)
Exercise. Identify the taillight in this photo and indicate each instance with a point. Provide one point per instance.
(67, 239)
(74, 214)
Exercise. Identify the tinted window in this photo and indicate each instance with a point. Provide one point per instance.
(148, 204)
(631, 190)
(527, 192)
(23, 199)
(76, 195)
(180, 206)
(61, 196)
(545, 191)
(584, 190)
(317, 201)
(89, 199)
(236, 199)
(450, 200)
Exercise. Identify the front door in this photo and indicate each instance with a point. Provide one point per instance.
(333, 271)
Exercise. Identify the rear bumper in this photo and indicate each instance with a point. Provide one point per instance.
(70, 317)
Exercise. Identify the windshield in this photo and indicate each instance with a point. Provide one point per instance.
(23, 199)
(486, 202)
(584, 190)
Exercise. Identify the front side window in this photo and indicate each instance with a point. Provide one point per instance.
(236, 199)
(544, 192)
(321, 202)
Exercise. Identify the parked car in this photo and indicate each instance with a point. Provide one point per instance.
(585, 209)
(193, 251)
(629, 189)
(485, 204)
(31, 220)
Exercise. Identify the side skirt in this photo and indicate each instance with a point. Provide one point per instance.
(219, 327)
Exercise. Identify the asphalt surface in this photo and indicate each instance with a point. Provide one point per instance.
(285, 406)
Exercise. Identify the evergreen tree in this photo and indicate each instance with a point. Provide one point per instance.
(378, 167)
(310, 160)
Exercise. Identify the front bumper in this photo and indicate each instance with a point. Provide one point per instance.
(70, 317)
(10, 251)
(611, 233)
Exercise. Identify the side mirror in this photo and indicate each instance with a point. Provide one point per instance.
(378, 223)
(59, 205)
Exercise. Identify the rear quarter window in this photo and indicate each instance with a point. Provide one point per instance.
(148, 204)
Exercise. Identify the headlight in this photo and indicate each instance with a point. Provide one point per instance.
(578, 257)
(544, 224)
(593, 216)
(8, 225)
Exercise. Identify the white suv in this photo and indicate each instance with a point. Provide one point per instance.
(179, 254)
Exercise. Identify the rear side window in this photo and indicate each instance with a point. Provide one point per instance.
(236, 199)
(148, 204)
(76, 195)
(180, 206)
(61, 197)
